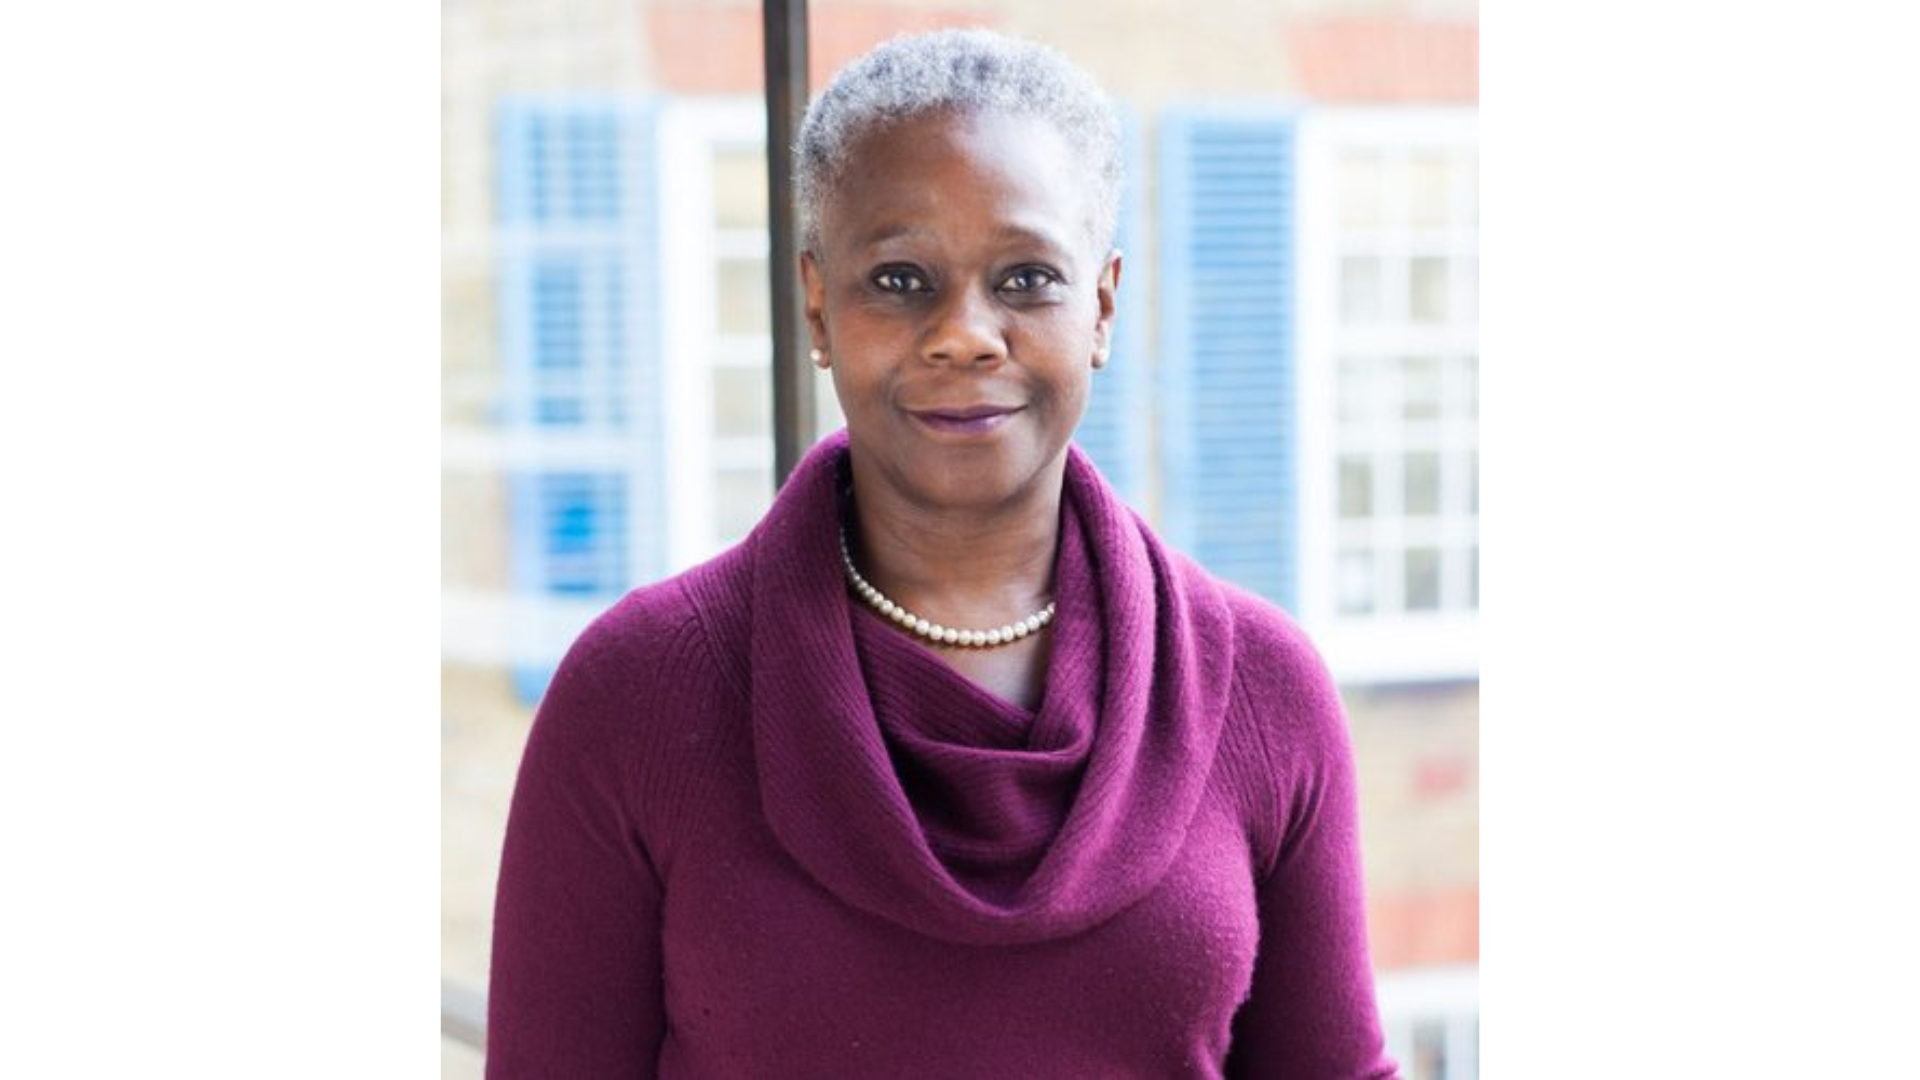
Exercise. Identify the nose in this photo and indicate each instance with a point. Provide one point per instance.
(964, 329)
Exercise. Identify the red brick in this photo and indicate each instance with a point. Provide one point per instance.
(709, 49)
(1415, 929)
(1386, 60)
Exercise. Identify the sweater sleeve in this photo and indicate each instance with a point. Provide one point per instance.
(1311, 1011)
(576, 984)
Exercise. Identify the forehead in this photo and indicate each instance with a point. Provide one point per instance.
(956, 175)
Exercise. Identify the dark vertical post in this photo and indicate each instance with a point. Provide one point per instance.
(784, 36)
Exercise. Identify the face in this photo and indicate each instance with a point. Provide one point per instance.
(964, 304)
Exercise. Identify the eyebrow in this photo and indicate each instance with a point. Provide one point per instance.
(1010, 232)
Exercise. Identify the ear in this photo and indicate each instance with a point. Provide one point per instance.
(1106, 289)
(814, 285)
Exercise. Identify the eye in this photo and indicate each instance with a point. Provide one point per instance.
(1029, 279)
(899, 279)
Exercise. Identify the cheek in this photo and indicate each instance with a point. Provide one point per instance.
(1066, 347)
(848, 388)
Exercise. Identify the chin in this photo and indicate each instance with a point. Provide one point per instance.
(986, 482)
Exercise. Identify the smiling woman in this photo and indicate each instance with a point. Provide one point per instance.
(962, 299)
(951, 768)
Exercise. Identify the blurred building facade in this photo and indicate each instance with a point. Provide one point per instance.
(1292, 397)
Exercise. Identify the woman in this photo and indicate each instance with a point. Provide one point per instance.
(951, 768)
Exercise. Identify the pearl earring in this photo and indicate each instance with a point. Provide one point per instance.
(819, 359)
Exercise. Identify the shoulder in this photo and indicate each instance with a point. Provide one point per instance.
(1285, 710)
(638, 704)
(1274, 664)
(654, 654)
(1286, 747)
(650, 628)
(1274, 661)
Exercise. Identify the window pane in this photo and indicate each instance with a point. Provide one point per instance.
(1420, 481)
(1427, 189)
(740, 188)
(1420, 388)
(1356, 388)
(742, 402)
(1423, 579)
(744, 306)
(740, 497)
(1355, 585)
(1356, 487)
(1362, 289)
(1362, 192)
(1428, 302)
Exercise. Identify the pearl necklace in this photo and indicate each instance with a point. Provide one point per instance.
(933, 631)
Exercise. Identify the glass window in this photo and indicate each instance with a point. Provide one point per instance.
(740, 497)
(1422, 588)
(1428, 300)
(1362, 189)
(1356, 388)
(1356, 487)
(1362, 289)
(1429, 193)
(1420, 388)
(744, 304)
(740, 188)
(742, 402)
(1420, 483)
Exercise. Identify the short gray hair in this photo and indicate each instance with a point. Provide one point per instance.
(962, 71)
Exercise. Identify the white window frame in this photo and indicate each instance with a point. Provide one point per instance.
(691, 132)
(1396, 646)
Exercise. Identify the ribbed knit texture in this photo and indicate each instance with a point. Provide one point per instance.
(760, 832)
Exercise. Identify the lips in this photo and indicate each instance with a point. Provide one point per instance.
(964, 419)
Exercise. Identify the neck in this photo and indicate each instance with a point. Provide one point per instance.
(965, 566)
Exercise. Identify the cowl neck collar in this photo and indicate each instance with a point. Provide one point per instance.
(1029, 827)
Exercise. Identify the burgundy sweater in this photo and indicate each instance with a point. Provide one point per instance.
(760, 832)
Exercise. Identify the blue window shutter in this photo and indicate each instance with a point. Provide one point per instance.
(1114, 432)
(576, 277)
(1226, 201)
